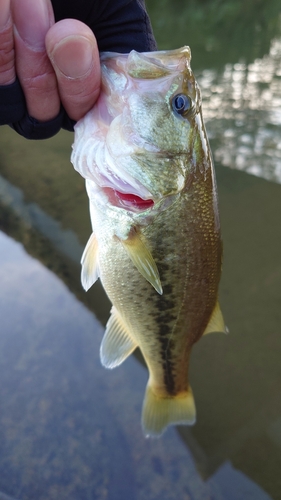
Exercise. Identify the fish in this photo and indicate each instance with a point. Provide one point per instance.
(156, 242)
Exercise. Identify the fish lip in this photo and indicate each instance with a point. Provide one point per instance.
(109, 191)
(119, 186)
(113, 185)
(117, 183)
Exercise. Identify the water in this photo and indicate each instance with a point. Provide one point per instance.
(69, 429)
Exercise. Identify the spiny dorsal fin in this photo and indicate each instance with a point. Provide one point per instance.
(142, 259)
(117, 344)
(89, 261)
(216, 323)
(159, 412)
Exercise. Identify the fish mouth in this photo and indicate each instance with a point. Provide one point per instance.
(98, 160)
(127, 201)
(116, 185)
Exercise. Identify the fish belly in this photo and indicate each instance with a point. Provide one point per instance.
(186, 246)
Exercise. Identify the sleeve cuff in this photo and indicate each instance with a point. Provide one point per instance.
(12, 103)
(30, 128)
(13, 112)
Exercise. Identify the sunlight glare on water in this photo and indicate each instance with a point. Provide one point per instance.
(242, 109)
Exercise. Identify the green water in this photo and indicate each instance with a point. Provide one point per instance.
(69, 429)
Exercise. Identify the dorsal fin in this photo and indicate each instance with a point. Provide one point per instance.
(216, 323)
(89, 261)
(117, 343)
(142, 259)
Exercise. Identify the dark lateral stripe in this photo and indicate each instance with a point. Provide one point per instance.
(164, 320)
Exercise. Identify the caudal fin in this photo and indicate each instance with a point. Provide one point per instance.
(160, 412)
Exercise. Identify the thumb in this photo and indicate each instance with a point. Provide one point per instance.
(73, 52)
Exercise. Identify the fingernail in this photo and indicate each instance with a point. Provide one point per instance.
(4, 13)
(32, 21)
(73, 56)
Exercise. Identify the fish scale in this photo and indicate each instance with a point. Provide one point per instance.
(158, 257)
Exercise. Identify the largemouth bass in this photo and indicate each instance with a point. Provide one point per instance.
(156, 243)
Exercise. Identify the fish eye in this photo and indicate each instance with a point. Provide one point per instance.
(181, 103)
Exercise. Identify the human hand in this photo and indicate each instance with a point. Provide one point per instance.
(55, 63)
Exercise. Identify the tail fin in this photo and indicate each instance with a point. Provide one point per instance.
(158, 412)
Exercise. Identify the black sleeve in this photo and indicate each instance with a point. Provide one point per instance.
(119, 26)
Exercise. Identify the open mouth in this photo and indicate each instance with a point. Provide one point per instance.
(128, 201)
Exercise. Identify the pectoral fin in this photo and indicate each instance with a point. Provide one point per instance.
(117, 343)
(216, 323)
(143, 260)
(89, 261)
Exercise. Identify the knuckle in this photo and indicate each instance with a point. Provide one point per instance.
(7, 66)
(6, 52)
(44, 82)
(37, 75)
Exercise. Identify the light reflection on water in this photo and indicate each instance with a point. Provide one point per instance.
(242, 109)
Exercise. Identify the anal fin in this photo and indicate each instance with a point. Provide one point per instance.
(216, 323)
(89, 261)
(117, 343)
(159, 412)
(143, 260)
